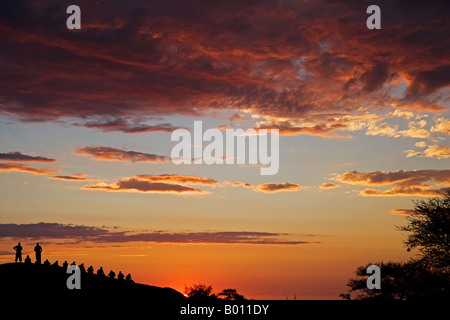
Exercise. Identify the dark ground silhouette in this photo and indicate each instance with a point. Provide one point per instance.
(45, 286)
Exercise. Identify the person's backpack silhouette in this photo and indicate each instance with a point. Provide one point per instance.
(38, 251)
(18, 249)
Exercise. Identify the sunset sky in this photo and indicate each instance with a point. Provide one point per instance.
(86, 118)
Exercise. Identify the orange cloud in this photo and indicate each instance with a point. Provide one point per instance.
(434, 151)
(402, 212)
(241, 184)
(442, 125)
(24, 168)
(18, 156)
(113, 154)
(406, 191)
(399, 177)
(277, 187)
(329, 186)
(175, 178)
(406, 183)
(289, 129)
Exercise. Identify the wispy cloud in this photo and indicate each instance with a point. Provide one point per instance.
(55, 231)
(329, 186)
(114, 154)
(20, 157)
(138, 185)
(175, 178)
(402, 212)
(74, 177)
(4, 167)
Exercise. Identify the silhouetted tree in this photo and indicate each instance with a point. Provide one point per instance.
(428, 230)
(426, 276)
(400, 281)
(231, 294)
(200, 292)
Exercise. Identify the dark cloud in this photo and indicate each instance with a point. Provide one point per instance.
(428, 81)
(127, 126)
(18, 156)
(375, 77)
(74, 177)
(50, 231)
(142, 185)
(53, 231)
(133, 61)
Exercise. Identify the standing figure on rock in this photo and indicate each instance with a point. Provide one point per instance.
(38, 251)
(18, 249)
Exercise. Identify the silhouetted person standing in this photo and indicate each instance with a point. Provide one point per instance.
(18, 249)
(65, 265)
(38, 251)
(120, 276)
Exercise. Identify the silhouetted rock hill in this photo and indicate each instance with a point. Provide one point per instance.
(23, 281)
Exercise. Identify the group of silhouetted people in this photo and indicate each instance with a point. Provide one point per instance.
(37, 251)
(111, 274)
(90, 270)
